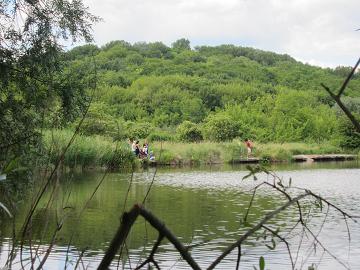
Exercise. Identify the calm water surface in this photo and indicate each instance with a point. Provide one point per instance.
(204, 208)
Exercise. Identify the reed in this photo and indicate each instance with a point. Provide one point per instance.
(87, 151)
(99, 151)
(177, 153)
(285, 151)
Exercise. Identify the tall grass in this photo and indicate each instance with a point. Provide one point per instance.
(177, 153)
(285, 151)
(87, 151)
(101, 151)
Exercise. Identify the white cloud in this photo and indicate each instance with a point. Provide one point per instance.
(313, 31)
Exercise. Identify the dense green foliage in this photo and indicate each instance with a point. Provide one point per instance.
(155, 91)
(34, 81)
(86, 151)
(189, 132)
(150, 90)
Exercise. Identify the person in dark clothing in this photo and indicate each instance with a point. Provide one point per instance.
(137, 148)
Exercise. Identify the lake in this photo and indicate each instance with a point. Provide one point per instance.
(203, 207)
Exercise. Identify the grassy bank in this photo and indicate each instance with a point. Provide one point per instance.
(87, 151)
(228, 152)
(95, 151)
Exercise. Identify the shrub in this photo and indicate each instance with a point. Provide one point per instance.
(160, 136)
(220, 128)
(139, 130)
(350, 138)
(99, 121)
(189, 132)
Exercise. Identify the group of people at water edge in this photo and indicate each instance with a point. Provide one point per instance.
(141, 152)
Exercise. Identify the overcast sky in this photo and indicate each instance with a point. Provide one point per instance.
(318, 32)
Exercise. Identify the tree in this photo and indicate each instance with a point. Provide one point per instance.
(220, 128)
(189, 132)
(181, 45)
(31, 33)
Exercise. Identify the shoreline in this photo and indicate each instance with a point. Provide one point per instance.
(99, 151)
(255, 160)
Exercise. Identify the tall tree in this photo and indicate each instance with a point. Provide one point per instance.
(31, 36)
(181, 44)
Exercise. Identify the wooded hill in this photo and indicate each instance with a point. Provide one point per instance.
(214, 93)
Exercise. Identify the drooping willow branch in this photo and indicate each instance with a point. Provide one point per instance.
(58, 163)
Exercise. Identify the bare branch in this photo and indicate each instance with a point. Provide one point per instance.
(127, 221)
(339, 102)
(79, 259)
(348, 79)
(285, 242)
(238, 258)
(250, 232)
(152, 253)
(126, 224)
(325, 249)
(157, 224)
(152, 180)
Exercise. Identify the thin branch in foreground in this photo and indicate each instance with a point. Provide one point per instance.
(325, 249)
(282, 239)
(250, 232)
(153, 179)
(317, 235)
(127, 221)
(57, 165)
(152, 253)
(238, 258)
(79, 259)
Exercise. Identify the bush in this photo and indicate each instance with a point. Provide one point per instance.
(139, 130)
(160, 136)
(220, 128)
(189, 132)
(350, 138)
(99, 121)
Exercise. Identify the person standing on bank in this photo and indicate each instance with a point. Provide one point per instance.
(249, 145)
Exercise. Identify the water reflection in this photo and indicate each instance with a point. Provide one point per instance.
(203, 207)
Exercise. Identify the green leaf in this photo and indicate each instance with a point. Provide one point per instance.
(262, 263)
(312, 267)
(273, 245)
(11, 166)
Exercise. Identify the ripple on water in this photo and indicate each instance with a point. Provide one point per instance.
(205, 209)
